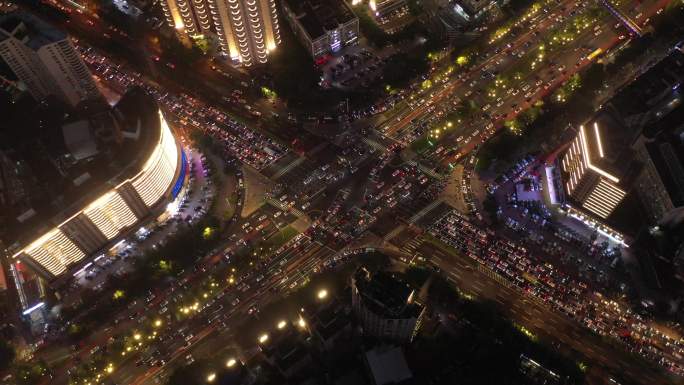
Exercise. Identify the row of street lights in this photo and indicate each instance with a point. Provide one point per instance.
(263, 338)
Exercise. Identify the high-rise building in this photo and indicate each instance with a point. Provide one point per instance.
(630, 148)
(385, 306)
(44, 59)
(591, 182)
(322, 26)
(246, 30)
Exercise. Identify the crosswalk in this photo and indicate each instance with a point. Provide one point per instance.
(411, 246)
(425, 169)
(282, 206)
(393, 233)
(424, 211)
(373, 144)
(288, 167)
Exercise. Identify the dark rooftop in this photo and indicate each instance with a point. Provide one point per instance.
(667, 153)
(319, 16)
(330, 320)
(650, 88)
(386, 294)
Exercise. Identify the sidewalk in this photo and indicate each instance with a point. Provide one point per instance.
(256, 186)
(452, 193)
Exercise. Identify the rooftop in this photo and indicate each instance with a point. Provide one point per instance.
(386, 294)
(319, 16)
(116, 161)
(331, 319)
(32, 31)
(608, 141)
(650, 89)
(388, 365)
(666, 151)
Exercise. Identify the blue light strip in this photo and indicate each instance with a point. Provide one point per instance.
(33, 308)
(181, 176)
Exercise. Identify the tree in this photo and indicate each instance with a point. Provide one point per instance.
(7, 355)
(203, 140)
(416, 276)
(401, 68)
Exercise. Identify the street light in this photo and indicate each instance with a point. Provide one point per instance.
(157, 323)
(263, 338)
(301, 322)
(231, 362)
(211, 377)
(281, 324)
(322, 294)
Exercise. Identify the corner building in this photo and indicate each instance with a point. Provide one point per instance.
(246, 30)
(151, 174)
(385, 306)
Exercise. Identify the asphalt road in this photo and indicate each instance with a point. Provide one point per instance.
(604, 361)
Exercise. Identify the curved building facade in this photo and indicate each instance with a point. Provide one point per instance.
(109, 216)
(245, 30)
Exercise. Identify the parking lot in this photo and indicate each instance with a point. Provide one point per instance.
(354, 70)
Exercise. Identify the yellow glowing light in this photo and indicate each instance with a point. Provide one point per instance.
(598, 139)
(231, 362)
(211, 377)
(281, 324)
(322, 294)
(263, 338)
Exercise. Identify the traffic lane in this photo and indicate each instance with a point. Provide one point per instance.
(521, 40)
(550, 19)
(254, 299)
(542, 320)
(606, 39)
(571, 69)
(257, 296)
(100, 337)
(515, 42)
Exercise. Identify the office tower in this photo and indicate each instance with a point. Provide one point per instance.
(246, 30)
(44, 59)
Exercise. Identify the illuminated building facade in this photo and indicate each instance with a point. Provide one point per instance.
(322, 26)
(589, 182)
(388, 10)
(246, 30)
(110, 216)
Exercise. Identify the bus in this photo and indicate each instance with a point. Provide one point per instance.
(595, 54)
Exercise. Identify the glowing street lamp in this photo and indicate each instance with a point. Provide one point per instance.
(211, 377)
(231, 362)
(281, 324)
(263, 338)
(322, 294)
